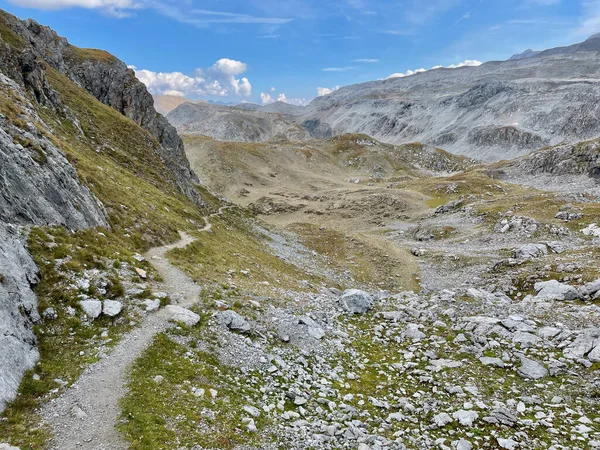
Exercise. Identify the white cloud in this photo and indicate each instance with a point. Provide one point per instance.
(467, 63)
(175, 93)
(169, 8)
(321, 91)
(225, 71)
(115, 7)
(404, 32)
(267, 98)
(219, 80)
(365, 60)
(337, 69)
(228, 67)
(408, 73)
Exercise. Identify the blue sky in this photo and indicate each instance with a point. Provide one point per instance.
(259, 50)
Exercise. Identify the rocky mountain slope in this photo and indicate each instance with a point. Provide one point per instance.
(233, 124)
(496, 111)
(52, 115)
(109, 80)
(284, 108)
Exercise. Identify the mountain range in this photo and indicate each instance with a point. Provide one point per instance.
(499, 110)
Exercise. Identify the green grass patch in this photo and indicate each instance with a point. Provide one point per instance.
(169, 415)
(233, 245)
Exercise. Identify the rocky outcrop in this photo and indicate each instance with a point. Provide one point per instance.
(508, 137)
(102, 75)
(39, 186)
(577, 159)
(18, 313)
(234, 124)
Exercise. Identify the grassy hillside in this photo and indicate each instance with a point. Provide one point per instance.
(116, 159)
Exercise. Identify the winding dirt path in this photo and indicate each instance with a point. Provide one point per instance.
(85, 416)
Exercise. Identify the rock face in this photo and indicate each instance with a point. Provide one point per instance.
(495, 111)
(233, 124)
(39, 186)
(18, 313)
(102, 75)
(569, 159)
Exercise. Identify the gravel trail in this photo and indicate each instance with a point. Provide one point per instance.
(85, 416)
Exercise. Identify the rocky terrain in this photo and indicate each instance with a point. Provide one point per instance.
(233, 124)
(338, 293)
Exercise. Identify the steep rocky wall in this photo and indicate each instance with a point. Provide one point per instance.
(39, 186)
(18, 312)
(102, 75)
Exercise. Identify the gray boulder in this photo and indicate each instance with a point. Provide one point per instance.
(568, 216)
(531, 369)
(112, 308)
(495, 362)
(531, 251)
(590, 289)
(557, 246)
(314, 330)
(233, 321)
(504, 416)
(587, 344)
(356, 301)
(91, 308)
(554, 290)
(507, 444)
(466, 418)
(178, 314)
(448, 207)
(442, 419)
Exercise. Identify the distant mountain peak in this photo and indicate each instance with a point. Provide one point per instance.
(525, 55)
